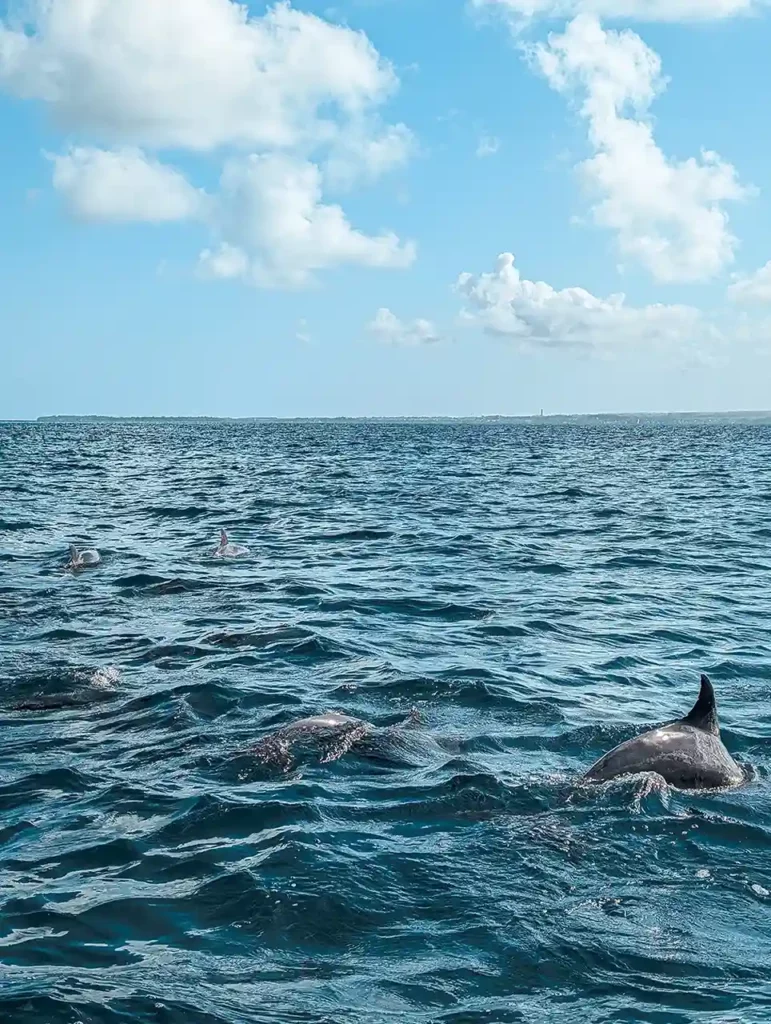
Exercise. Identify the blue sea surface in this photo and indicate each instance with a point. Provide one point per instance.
(538, 592)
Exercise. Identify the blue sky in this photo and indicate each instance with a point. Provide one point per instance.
(306, 210)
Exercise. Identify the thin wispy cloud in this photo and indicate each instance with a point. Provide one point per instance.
(488, 145)
(389, 329)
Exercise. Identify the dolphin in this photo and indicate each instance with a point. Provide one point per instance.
(688, 753)
(68, 688)
(327, 737)
(227, 550)
(81, 559)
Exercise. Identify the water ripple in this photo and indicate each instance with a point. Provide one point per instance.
(501, 602)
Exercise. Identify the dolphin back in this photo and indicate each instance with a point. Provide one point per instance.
(687, 753)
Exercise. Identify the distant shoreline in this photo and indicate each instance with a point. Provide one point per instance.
(751, 416)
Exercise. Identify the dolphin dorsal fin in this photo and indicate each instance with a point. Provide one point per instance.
(703, 714)
(223, 539)
(73, 552)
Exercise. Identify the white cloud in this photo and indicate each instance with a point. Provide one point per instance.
(503, 303)
(277, 231)
(636, 10)
(193, 74)
(365, 154)
(226, 261)
(204, 75)
(752, 288)
(667, 214)
(488, 146)
(389, 328)
(302, 334)
(123, 185)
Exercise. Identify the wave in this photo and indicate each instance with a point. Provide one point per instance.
(283, 641)
(568, 493)
(361, 533)
(178, 512)
(13, 526)
(151, 584)
(412, 607)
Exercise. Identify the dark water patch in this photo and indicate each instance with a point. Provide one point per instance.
(211, 701)
(60, 634)
(57, 780)
(635, 561)
(362, 533)
(410, 607)
(298, 589)
(172, 655)
(259, 638)
(150, 584)
(177, 512)
(11, 832)
(12, 526)
(466, 794)
(281, 641)
(546, 568)
(61, 702)
(116, 853)
(498, 629)
(607, 513)
(209, 818)
(567, 493)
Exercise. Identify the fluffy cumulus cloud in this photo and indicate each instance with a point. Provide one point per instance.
(388, 328)
(193, 74)
(506, 304)
(667, 214)
(124, 185)
(520, 11)
(277, 231)
(754, 288)
(276, 97)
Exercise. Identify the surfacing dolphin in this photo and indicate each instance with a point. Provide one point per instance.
(61, 689)
(329, 736)
(82, 559)
(227, 550)
(688, 753)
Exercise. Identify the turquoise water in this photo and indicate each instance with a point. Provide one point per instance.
(537, 592)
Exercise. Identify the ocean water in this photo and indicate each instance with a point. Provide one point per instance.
(536, 592)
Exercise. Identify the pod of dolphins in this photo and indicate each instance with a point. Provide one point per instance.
(687, 753)
(84, 558)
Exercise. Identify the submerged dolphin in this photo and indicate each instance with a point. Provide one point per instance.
(62, 689)
(688, 753)
(81, 559)
(329, 736)
(326, 737)
(227, 550)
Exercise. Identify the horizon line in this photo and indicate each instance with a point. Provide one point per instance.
(522, 417)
